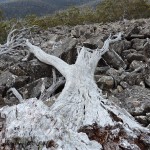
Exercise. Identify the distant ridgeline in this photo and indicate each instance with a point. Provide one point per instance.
(21, 8)
(104, 11)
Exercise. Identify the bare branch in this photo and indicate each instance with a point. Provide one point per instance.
(17, 95)
(59, 64)
(97, 54)
(10, 37)
(54, 75)
(27, 56)
(48, 92)
(110, 40)
(15, 38)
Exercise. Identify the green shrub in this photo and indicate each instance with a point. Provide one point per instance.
(113, 10)
(3, 28)
(106, 11)
(3, 32)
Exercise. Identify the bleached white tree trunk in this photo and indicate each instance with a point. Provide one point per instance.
(80, 119)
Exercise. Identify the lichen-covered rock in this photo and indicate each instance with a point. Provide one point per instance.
(35, 88)
(133, 78)
(114, 60)
(136, 64)
(138, 44)
(121, 46)
(135, 56)
(125, 85)
(132, 29)
(10, 59)
(31, 90)
(35, 69)
(94, 42)
(117, 75)
(135, 100)
(105, 82)
(125, 53)
(64, 48)
(9, 80)
(17, 70)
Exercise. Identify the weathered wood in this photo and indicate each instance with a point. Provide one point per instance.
(15, 38)
(47, 93)
(81, 118)
(17, 94)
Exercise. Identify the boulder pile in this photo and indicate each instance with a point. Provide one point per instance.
(123, 73)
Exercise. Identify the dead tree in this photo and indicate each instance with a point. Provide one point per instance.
(81, 118)
(16, 38)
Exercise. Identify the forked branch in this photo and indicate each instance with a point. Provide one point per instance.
(97, 54)
(110, 40)
(15, 38)
(58, 63)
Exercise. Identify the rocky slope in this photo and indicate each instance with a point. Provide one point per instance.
(123, 73)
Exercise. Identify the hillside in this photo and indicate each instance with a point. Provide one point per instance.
(21, 8)
(32, 114)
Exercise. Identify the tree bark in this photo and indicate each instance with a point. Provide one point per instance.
(80, 119)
